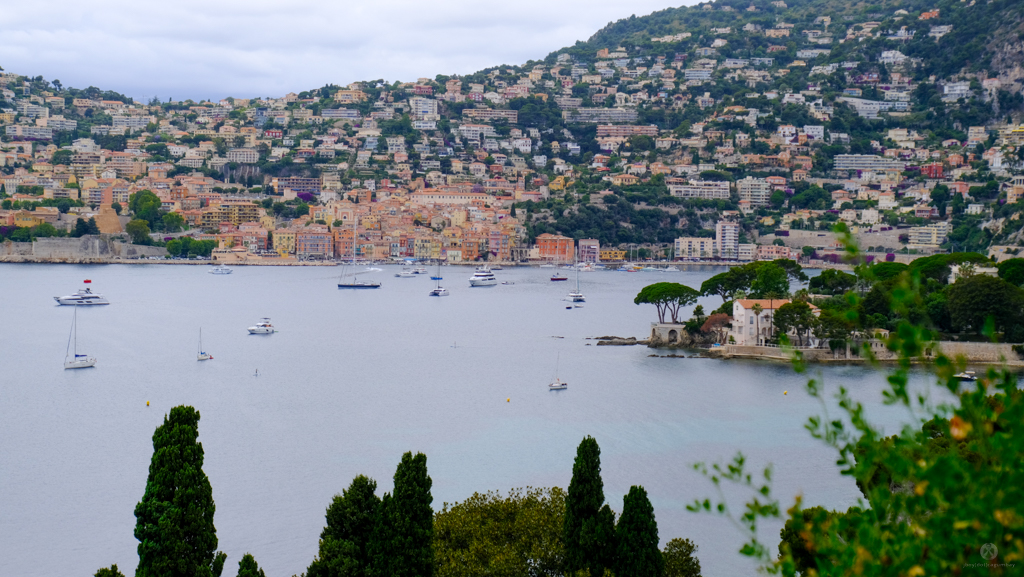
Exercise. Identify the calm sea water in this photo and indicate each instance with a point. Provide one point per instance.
(354, 379)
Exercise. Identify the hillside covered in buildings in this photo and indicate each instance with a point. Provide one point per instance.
(730, 130)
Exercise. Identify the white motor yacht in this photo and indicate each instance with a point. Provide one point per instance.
(262, 328)
(219, 269)
(419, 270)
(405, 273)
(483, 277)
(84, 297)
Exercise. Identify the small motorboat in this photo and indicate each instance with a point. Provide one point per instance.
(966, 376)
(262, 328)
(547, 266)
(558, 385)
(419, 270)
(507, 282)
(558, 277)
(219, 269)
(405, 273)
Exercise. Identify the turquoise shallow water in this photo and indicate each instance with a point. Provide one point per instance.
(352, 380)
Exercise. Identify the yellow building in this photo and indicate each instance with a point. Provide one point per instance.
(284, 241)
(612, 254)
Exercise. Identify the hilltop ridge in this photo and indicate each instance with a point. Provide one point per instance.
(735, 130)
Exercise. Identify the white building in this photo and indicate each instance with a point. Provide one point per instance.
(700, 189)
(755, 190)
(727, 239)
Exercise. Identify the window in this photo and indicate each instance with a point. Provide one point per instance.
(751, 320)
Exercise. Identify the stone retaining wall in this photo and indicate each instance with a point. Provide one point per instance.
(84, 249)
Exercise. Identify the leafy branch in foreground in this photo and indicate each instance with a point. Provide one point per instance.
(944, 497)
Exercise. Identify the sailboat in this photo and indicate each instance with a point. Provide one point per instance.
(203, 355)
(557, 384)
(77, 361)
(355, 283)
(439, 291)
(576, 296)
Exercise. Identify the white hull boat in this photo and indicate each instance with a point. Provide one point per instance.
(262, 328)
(483, 277)
(202, 355)
(84, 297)
(73, 360)
(219, 269)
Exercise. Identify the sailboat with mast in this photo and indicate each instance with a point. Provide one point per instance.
(76, 361)
(557, 384)
(354, 282)
(203, 355)
(576, 296)
(439, 291)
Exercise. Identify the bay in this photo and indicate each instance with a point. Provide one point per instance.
(355, 378)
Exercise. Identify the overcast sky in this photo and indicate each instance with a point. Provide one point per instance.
(216, 48)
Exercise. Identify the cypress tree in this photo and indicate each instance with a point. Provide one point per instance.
(403, 537)
(344, 542)
(583, 502)
(247, 567)
(637, 536)
(174, 519)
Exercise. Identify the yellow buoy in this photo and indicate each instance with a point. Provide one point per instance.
(785, 392)
(147, 403)
(508, 400)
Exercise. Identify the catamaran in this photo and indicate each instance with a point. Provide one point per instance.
(576, 296)
(77, 361)
(438, 291)
(355, 283)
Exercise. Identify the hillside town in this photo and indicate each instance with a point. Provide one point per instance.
(734, 158)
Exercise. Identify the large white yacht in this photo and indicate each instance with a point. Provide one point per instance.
(83, 297)
(483, 277)
(219, 269)
(262, 328)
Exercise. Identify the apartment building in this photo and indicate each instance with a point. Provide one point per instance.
(243, 155)
(700, 189)
(867, 162)
(755, 190)
(555, 247)
(727, 239)
(596, 115)
(694, 247)
(625, 130)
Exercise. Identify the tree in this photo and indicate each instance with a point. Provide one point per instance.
(637, 536)
(723, 284)
(770, 279)
(174, 519)
(583, 532)
(680, 558)
(757, 309)
(832, 281)
(138, 230)
(146, 205)
(247, 567)
(1012, 271)
(488, 534)
(112, 571)
(345, 541)
(402, 541)
(975, 300)
(173, 222)
(668, 297)
(940, 196)
(797, 317)
(63, 205)
(117, 207)
(717, 323)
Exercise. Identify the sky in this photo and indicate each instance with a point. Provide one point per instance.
(256, 48)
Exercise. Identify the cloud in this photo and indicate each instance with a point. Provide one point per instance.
(212, 49)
